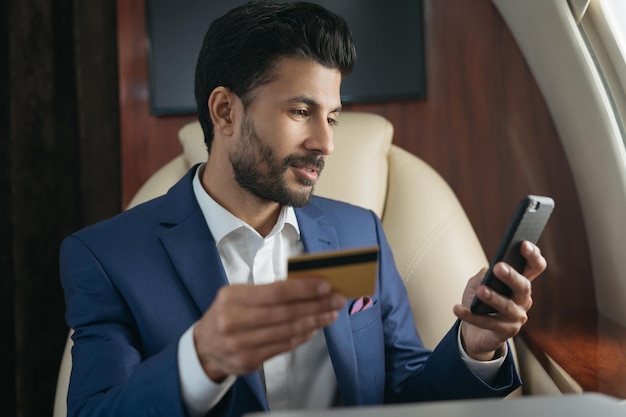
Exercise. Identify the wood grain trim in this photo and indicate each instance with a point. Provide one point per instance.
(589, 348)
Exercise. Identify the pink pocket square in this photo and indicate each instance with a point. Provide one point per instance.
(361, 304)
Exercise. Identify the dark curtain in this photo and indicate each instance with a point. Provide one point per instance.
(59, 171)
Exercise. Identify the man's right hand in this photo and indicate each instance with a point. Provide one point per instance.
(248, 324)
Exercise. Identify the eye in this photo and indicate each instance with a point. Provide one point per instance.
(301, 112)
(332, 122)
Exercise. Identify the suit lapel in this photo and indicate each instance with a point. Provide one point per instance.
(193, 253)
(192, 250)
(318, 235)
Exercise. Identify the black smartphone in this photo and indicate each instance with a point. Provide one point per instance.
(527, 223)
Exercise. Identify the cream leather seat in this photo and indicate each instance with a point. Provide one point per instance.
(434, 244)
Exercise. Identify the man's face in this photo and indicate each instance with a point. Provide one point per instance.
(286, 133)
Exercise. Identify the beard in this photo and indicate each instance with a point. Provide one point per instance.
(258, 170)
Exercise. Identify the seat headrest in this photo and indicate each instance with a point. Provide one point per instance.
(357, 170)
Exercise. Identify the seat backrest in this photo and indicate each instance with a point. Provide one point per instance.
(357, 171)
(434, 245)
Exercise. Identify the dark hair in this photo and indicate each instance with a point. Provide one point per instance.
(241, 48)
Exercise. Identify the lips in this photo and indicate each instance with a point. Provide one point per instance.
(308, 173)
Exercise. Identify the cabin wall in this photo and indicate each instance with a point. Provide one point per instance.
(484, 126)
(67, 162)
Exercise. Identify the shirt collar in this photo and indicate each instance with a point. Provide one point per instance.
(222, 222)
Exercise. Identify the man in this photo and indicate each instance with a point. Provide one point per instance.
(180, 306)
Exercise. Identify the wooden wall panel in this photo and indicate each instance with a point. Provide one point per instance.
(147, 142)
(484, 126)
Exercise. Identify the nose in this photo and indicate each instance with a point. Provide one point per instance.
(321, 138)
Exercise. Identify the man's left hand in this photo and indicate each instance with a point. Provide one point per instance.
(484, 335)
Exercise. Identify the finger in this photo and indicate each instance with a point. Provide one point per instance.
(225, 353)
(507, 320)
(513, 309)
(475, 281)
(284, 334)
(499, 328)
(290, 290)
(242, 317)
(520, 286)
(518, 283)
(245, 351)
(241, 363)
(535, 262)
(472, 285)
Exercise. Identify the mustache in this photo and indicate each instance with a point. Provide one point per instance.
(317, 162)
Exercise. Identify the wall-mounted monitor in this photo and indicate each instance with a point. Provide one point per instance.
(388, 36)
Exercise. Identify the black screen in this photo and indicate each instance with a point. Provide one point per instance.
(388, 36)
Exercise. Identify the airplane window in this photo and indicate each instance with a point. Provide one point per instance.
(610, 17)
(604, 28)
(615, 13)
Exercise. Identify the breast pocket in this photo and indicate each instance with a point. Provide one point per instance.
(369, 345)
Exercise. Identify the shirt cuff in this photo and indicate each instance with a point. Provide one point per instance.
(486, 371)
(200, 394)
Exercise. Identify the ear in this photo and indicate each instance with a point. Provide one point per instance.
(221, 109)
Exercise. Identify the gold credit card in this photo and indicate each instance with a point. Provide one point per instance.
(351, 272)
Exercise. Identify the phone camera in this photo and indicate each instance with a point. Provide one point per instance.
(534, 205)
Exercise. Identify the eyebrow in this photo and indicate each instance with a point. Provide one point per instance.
(312, 102)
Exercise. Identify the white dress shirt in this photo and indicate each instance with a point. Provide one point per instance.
(301, 379)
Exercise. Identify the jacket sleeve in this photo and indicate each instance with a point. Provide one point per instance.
(413, 372)
(110, 376)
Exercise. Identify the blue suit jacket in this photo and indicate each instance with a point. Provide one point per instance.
(133, 285)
